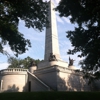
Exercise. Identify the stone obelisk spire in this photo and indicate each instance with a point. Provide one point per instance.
(51, 39)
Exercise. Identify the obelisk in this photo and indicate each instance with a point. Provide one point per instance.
(51, 36)
(51, 43)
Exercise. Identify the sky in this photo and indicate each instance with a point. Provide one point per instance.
(37, 40)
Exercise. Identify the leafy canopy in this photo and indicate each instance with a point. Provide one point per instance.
(21, 63)
(86, 37)
(33, 12)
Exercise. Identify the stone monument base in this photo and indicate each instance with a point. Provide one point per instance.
(45, 64)
(59, 78)
(72, 67)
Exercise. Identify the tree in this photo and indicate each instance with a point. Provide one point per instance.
(33, 12)
(14, 62)
(21, 63)
(86, 36)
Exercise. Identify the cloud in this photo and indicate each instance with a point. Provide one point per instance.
(35, 37)
(66, 19)
(57, 1)
(7, 49)
(3, 65)
(63, 19)
(57, 13)
(59, 19)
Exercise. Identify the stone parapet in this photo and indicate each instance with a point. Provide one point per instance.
(58, 69)
(13, 71)
(67, 70)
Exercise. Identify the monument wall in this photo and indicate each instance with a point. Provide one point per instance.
(13, 80)
(35, 84)
(68, 80)
(65, 79)
(48, 76)
(53, 78)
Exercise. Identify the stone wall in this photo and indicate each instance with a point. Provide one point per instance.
(36, 84)
(55, 78)
(48, 76)
(13, 80)
(65, 79)
(69, 81)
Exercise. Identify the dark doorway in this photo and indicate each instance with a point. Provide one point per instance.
(29, 86)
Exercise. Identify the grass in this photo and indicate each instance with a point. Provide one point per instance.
(50, 96)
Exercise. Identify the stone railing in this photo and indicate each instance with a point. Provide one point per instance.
(78, 72)
(13, 70)
(59, 68)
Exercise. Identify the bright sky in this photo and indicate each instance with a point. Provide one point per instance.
(38, 39)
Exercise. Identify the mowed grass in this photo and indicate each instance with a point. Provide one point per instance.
(50, 96)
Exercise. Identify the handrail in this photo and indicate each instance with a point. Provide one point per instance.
(49, 88)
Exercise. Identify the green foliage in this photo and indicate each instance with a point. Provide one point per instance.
(21, 63)
(14, 62)
(33, 12)
(86, 36)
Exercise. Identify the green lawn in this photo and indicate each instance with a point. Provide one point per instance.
(51, 96)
